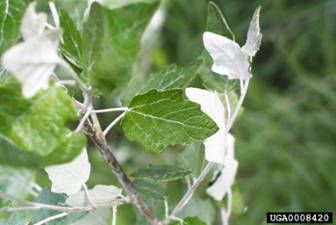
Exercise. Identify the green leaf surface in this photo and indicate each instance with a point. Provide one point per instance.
(111, 41)
(33, 129)
(4, 203)
(14, 181)
(72, 46)
(169, 77)
(216, 22)
(16, 218)
(160, 173)
(11, 13)
(150, 188)
(3, 74)
(192, 159)
(161, 118)
(50, 198)
(189, 221)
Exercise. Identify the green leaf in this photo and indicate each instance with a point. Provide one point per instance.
(4, 203)
(151, 188)
(168, 78)
(16, 218)
(238, 206)
(216, 22)
(192, 159)
(158, 119)
(33, 129)
(111, 41)
(11, 13)
(50, 198)
(14, 181)
(160, 173)
(72, 46)
(189, 221)
(203, 209)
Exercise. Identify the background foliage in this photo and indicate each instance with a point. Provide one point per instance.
(285, 138)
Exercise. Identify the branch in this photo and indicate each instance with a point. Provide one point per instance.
(187, 196)
(97, 136)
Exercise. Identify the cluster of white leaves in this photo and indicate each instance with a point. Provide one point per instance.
(219, 148)
(70, 178)
(229, 58)
(33, 60)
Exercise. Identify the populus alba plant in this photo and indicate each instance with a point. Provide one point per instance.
(51, 72)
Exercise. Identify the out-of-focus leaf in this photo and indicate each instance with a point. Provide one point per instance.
(160, 173)
(192, 158)
(33, 129)
(69, 178)
(157, 119)
(150, 188)
(16, 218)
(3, 74)
(50, 198)
(72, 46)
(100, 194)
(111, 41)
(168, 78)
(216, 22)
(16, 181)
(32, 61)
(96, 217)
(11, 13)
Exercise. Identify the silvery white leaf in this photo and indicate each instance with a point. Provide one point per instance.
(254, 36)
(33, 24)
(96, 217)
(212, 106)
(224, 182)
(100, 194)
(219, 189)
(32, 61)
(229, 58)
(70, 177)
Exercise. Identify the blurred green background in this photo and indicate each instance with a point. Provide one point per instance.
(286, 138)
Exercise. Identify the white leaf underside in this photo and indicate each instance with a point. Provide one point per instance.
(254, 36)
(32, 61)
(100, 194)
(229, 58)
(69, 178)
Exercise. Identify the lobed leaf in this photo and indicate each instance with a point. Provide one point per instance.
(69, 178)
(100, 194)
(161, 173)
(157, 119)
(16, 218)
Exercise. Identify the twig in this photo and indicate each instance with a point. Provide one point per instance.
(114, 123)
(52, 218)
(185, 199)
(98, 138)
(121, 109)
(244, 88)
